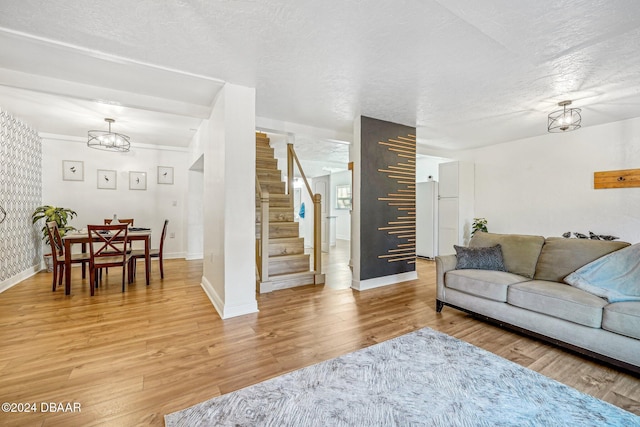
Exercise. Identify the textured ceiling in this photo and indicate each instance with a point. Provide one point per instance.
(466, 73)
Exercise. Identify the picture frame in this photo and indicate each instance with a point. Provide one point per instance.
(343, 196)
(107, 179)
(137, 180)
(72, 170)
(165, 175)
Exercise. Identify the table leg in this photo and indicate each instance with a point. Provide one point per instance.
(147, 258)
(67, 267)
(84, 251)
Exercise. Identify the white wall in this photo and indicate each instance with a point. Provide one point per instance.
(195, 214)
(149, 208)
(544, 185)
(305, 227)
(428, 166)
(228, 142)
(343, 217)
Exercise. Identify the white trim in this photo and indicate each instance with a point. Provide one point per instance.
(224, 311)
(377, 282)
(213, 295)
(12, 281)
(174, 255)
(194, 256)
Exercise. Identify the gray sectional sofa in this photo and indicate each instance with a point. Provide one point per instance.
(531, 297)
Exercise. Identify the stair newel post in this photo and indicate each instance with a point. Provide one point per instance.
(290, 172)
(264, 235)
(317, 234)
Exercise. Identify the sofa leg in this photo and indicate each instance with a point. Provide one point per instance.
(439, 306)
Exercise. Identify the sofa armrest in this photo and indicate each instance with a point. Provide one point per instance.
(444, 263)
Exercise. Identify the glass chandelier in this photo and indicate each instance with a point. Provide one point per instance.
(107, 140)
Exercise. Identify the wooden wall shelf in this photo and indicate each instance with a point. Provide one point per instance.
(625, 178)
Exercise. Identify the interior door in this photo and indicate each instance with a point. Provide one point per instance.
(321, 186)
(447, 225)
(448, 177)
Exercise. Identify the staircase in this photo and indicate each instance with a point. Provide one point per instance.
(288, 265)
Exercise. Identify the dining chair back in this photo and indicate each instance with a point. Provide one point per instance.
(153, 253)
(57, 255)
(129, 221)
(107, 248)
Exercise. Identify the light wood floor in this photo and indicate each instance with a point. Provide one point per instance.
(130, 358)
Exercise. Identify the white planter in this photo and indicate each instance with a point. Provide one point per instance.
(48, 262)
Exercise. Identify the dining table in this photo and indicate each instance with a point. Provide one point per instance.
(82, 237)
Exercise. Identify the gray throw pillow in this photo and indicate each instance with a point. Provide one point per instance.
(479, 258)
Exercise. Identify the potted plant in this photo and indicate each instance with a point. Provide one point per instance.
(53, 213)
(479, 224)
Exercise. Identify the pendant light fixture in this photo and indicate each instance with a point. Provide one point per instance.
(564, 120)
(107, 140)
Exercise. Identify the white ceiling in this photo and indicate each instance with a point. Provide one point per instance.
(465, 73)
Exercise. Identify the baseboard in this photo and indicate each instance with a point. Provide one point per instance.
(174, 255)
(194, 256)
(12, 281)
(363, 285)
(226, 311)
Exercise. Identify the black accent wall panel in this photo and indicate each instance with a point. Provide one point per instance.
(387, 198)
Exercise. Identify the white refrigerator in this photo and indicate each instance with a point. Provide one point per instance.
(427, 219)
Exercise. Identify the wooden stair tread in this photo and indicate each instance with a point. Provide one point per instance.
(284, 239)
(293, 275)
(289, 257)
(268, 172)
(275, 209)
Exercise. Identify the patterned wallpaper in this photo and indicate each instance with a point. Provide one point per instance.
(20, 194)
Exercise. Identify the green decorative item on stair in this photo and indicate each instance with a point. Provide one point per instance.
(53, 213)
(479, 224)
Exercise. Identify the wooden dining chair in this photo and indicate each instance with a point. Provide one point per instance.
(57, 254)
(129, 221)
(153, 253)
(108, 248)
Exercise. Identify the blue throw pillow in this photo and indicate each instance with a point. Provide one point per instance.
(479, 258)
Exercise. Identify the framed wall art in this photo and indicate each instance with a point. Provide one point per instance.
(107, 179)
(137, 180)
(72, 170)
(165, 175)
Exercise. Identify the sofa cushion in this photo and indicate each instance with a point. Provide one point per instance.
(558, 300)
(519, 252)
(622, 318)
(560, 257)
(479, 258)
(483, 283)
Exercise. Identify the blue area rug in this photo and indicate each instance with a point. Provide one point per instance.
(424, 378)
